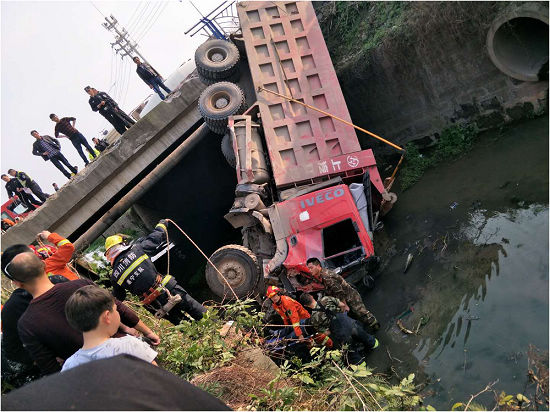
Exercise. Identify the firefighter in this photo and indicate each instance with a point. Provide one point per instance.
(56, 258)
(290, 311)
(337, 287)
(328, 317)
(133, 271)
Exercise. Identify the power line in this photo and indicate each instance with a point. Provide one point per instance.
(95, 7)
(154, 22)
(138, 20)
(133, 14)
(127, 47)
(148, 20)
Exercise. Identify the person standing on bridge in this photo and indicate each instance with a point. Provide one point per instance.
(50, 149)
(29, 183)
(103, 103)
(151, 77)
(133, 271)
(14, 187)
(65, 125)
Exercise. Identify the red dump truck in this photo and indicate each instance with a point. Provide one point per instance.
(305, 188)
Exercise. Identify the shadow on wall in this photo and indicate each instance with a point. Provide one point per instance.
(196, 194)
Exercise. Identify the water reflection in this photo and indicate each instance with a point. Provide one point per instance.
(478, 282)
(496, 293)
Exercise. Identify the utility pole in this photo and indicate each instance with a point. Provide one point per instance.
(127, 47)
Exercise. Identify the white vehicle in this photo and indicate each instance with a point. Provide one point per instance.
(172, 82)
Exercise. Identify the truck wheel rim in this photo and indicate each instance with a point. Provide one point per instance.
(233, 272)
(216, 55)
(220, 100)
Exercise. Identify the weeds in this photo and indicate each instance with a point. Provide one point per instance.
(196, 351)
(454, 141)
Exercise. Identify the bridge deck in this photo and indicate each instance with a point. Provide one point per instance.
(87, 193)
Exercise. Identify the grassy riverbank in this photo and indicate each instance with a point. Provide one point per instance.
(232, 368)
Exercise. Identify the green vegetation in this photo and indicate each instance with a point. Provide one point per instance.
(196, 351)
(454, 141)
(358, 27)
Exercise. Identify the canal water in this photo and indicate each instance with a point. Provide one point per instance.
(477, 288)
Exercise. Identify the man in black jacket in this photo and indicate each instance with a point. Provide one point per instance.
(28, 182)
(103, 103)
(14, 187)
(133, 271)
(100, 144)
(50, 149)
(151, 77)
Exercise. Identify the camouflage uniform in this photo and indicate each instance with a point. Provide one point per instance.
(320, 320)
(336, 286)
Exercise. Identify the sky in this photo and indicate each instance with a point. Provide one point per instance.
(51, 50)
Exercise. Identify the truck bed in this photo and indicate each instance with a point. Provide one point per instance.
(288, 55)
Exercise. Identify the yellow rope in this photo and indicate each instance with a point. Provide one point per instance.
(209, 261)
(334, 117)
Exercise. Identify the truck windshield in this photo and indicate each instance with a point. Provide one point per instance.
(341, 244)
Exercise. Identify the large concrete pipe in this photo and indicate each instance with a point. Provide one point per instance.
(517, 42)
(136, 192)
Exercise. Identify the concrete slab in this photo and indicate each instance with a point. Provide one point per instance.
(69, 209)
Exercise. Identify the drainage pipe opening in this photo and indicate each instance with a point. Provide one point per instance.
(518, 44)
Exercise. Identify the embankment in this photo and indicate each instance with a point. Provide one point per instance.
(408, 70)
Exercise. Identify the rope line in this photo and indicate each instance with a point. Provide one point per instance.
(207, 258)
(334, 117)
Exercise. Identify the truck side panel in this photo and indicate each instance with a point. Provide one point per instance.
(287, 54)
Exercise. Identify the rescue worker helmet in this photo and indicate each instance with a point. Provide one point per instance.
(43, 252)
(272, 291)
(112, 240)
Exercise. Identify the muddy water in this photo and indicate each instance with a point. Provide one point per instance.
(477, 288)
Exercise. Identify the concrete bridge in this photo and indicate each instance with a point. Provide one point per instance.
(89, 195)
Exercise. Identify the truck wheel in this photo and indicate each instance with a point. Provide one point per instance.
(219, 101)
(240, 268)
(227, 150)
(233, 78)
(216, 59)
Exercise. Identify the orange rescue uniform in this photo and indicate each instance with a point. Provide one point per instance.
(56, 264)
(291, 312)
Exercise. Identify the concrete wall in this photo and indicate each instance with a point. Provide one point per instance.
(104, 179)
(412, 89)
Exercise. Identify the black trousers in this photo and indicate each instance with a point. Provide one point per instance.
(120, 120)
(78, 140)
(187, 305)
(59, 160)
(38, 191)
(28, 200)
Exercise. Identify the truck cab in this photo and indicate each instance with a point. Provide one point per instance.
(12, 211)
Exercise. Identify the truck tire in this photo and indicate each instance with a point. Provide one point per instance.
(219, 101)
(227, 150)
(233, 78)
(216, 59)
(239, 266)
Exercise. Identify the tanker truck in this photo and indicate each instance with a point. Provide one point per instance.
(304, 186)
